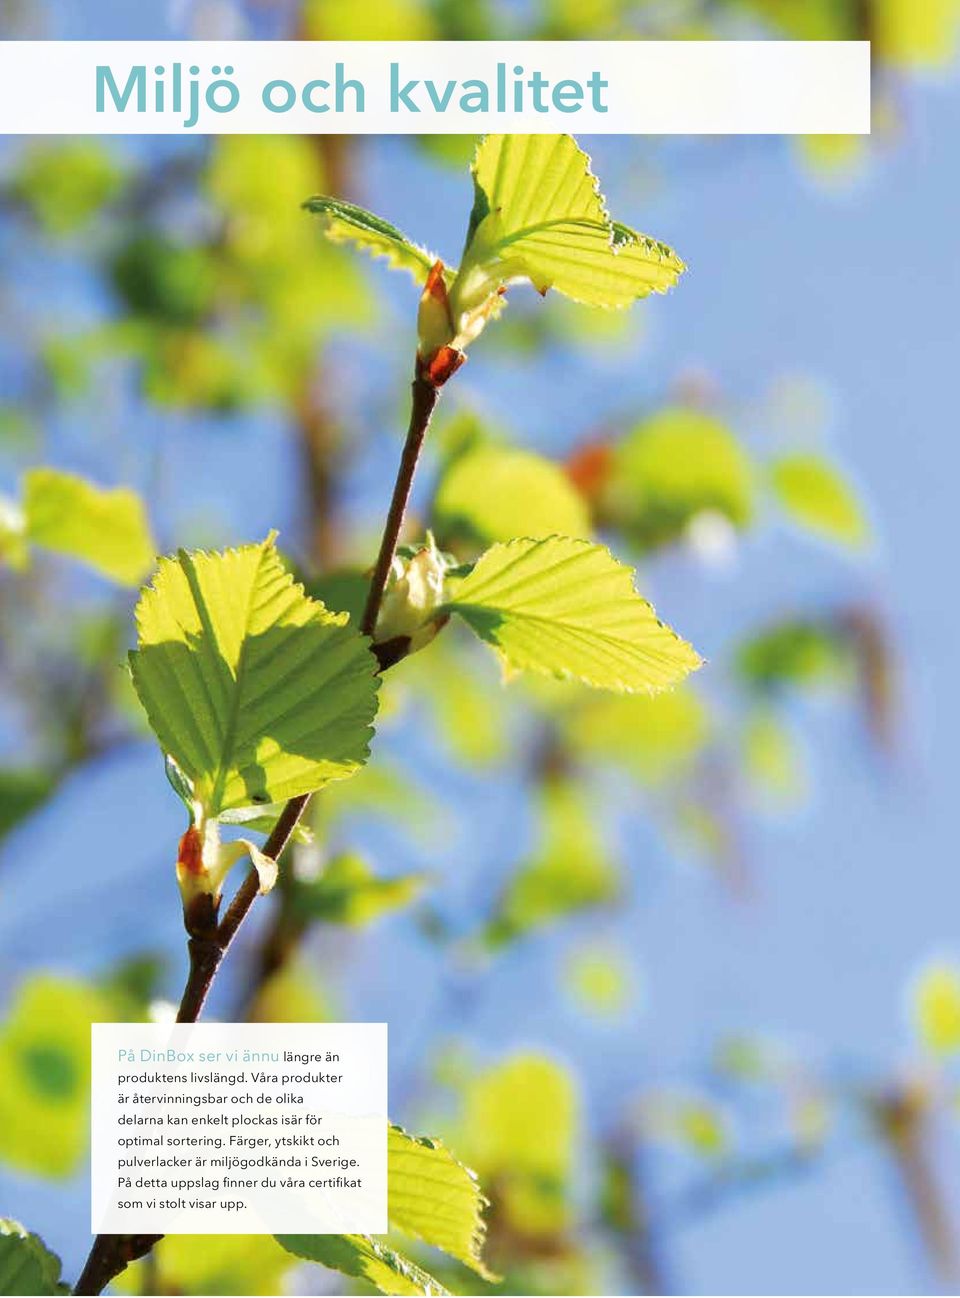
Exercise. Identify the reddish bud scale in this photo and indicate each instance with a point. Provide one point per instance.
(190, 852)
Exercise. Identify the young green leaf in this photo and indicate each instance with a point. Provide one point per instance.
(538, 214)
(26, 1264)
(256, 690)
(45, 1074)
(104, 528)
(344, 222)
(518, 1128)
(364, 1259)
(567, 608)
(348, 892)
(936, 1008)
(675, 465)
(435, 1198)
(813, 494)
(493, 493)
(209, 1264)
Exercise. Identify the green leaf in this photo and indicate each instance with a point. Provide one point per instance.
(66, 183)
(656, 737)
(538, 215)
(567, 608)
(568, 872)
(256, 690)
(794, 653)
(814, 495)
(22, 791)
(105, 528)
(435, 1198)
(26, 1264)
(348, 892)
(936, 1008)
(210, 1264)
(673, 466)
(45, 1074)
(518, 1130)
(493, 493)
(364, 1259)
(344, 222)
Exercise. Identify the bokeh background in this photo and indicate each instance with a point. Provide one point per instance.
(679, 978)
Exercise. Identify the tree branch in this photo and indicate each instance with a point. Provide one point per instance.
(425, 396)
(111, 1254)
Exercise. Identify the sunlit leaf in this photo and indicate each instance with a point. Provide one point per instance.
(813, 494)
(258, 692)
(567, 608)
(104, 527)
(65, 183)
(913, 35)
(493, 493)
(45, 1074)
(343, 222)
(348, 892)
(936, 1008)
(388, 20)
(678, 464)
(519, 1122)
(26, 1264)
(210, 1265)
(538, 215)
(364, 1259)
(657, 737)
(291, 995)
(435, 1198)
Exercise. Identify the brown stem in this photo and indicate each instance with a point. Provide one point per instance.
(111, 1254)
(424, 400)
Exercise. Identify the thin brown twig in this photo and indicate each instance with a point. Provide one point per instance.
(111, 1254)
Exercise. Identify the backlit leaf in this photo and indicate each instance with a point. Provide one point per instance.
(257, 691)
(103, 527)
(672, 467)
(210, 1264)
(435, 1198)
(567, 608)
(519, 1123)
(344, 222)
(936, 1008)
(493, 493)
(45, 1074)
(538, 215)
(657, 737)
(813, 494)
(364, 1259)
(348, 892)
